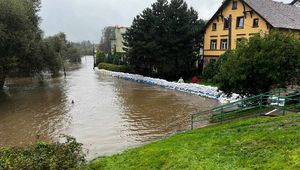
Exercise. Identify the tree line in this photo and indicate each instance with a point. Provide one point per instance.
(23, 49)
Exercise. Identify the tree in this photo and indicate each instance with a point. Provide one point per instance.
(100, 57)
(57, 50)
(264, 62)
(19, 34)
(23, 51)
(213, 68)
(52, 59)
(108, 34)
(73, 54)
(164, 40)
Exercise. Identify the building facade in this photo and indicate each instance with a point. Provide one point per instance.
(239, 19)
(117, 40)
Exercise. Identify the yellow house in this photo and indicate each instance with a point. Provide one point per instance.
(238, 19)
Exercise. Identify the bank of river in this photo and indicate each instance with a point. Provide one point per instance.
(109, 114)
(255, 143)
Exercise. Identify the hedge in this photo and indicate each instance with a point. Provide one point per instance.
(113, 67)
(68, 155)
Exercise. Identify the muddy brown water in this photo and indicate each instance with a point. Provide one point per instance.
(108, 115)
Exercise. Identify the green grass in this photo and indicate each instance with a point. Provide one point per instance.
(293, 107)
(256, 143)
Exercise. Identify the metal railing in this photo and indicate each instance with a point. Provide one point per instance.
(272, 103)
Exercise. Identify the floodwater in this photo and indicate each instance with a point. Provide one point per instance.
(108, 115)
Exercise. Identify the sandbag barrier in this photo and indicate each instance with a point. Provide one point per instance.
(197, 89)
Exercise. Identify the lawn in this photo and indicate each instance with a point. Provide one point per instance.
(255, 143)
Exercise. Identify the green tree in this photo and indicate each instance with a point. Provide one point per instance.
(108, 34)
(57, 50)
(50, 52)
(84, 48)
(213, 68)
(164, 40)
(23, 51)
(264, 62)
(100, 57)
(73, 54)
(30, 60)
(19, 35)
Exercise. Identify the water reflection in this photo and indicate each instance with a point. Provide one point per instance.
(150, 112)
(31, 111)
(108, 114)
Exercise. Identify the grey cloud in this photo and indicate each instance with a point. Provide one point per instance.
(84, 19)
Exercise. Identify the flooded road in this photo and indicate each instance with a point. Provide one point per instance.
(108, 114)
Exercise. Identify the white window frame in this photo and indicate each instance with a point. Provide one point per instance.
(224, 44)
(240, 22)
(213, 44)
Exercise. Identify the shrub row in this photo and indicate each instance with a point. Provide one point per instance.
(68, 155)
(113, 67)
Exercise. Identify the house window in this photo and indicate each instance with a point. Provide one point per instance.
(214, 26)
(255, 23)
(224, 44)
(213, 44)
(240, 22)
(234, 5)
(226, 24)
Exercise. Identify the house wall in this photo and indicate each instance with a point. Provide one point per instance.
(119, 39)
(245, 32)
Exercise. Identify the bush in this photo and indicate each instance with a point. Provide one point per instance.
(116, 58)
(210, 71)
(112, 67)
(262, 63)
(68, 155)
(100, 57)
(213, 68)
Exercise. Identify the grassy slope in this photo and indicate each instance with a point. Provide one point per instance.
(257, 143)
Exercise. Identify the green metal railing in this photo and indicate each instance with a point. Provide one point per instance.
(275, 102)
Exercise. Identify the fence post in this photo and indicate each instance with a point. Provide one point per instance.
(192, 122)
(284, 107)
(222, 116)
(260, 103)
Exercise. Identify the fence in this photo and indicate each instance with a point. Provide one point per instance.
(272, 103)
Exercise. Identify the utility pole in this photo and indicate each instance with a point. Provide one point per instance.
(230, 32)
(94, 56)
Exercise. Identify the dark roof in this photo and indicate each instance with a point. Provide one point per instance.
(278, 14)
(295, 1)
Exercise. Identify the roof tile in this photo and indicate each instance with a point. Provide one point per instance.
(278, 14)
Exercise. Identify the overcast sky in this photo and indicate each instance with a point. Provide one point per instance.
(84, 19)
